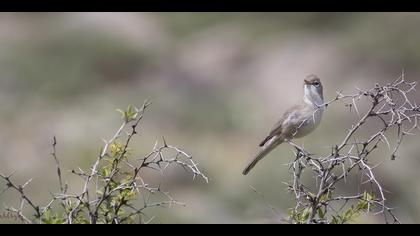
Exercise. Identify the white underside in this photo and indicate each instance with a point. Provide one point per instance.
(307, 119)
(308, 124)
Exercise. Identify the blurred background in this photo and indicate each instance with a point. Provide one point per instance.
(217, 83)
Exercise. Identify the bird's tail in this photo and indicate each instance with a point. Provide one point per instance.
(262, 153)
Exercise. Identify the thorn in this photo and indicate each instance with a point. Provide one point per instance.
(146, 104)
(164, 142)
(393, 157)
(54, 141)
(27, 182)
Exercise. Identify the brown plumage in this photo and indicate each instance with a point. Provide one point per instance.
(296, 122)
(277, 128)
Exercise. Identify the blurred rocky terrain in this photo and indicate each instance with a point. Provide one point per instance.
(217, 81)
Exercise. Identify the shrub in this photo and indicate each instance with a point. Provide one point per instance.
(113, 187)
(393, 111)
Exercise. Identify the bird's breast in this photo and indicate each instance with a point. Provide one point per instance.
(307, 122)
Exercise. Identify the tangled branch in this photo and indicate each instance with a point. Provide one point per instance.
(391, 106)
(114, 190)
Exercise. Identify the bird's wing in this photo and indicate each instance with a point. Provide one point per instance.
(277, 128)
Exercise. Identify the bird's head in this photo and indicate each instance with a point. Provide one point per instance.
(312, 89)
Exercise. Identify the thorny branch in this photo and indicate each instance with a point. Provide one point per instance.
(116, 182)
(390, 104)
(63, 187)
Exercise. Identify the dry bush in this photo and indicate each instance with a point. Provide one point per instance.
(113, 190)
(391, 108)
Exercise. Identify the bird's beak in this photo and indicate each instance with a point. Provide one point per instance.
(307, 82)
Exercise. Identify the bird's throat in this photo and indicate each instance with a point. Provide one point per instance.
(312, 97)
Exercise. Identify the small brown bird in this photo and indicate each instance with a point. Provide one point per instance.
(296, 122)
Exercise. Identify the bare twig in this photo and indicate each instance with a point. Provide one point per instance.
(113, 180)
(391, 106)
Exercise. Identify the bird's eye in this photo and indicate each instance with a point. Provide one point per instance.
(316, 84)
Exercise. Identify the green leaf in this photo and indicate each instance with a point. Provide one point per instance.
(335, 220)
(326, 196)
(321, 213)
(51, 218)
(311, 195)
(306, 213)
(129, 114)
(291, 212)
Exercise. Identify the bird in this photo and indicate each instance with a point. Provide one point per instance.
(298, 121)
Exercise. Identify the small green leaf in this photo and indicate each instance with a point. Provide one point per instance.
(306, 213)
(348, 213)
(291, 212)
(129, 114)
(326, 196)
(321, 213)
(311, 195)
(335, 220)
